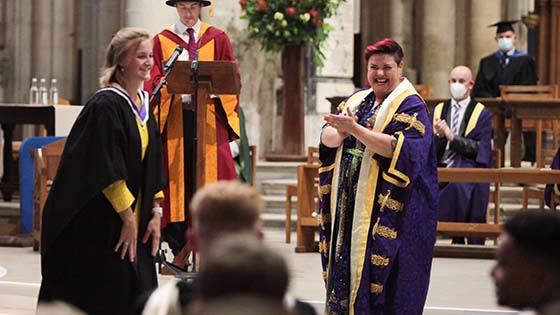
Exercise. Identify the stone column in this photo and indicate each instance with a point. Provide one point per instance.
(438, 45)
(401, 24)
(63, 62)
(98, 21)
(479, 35)
(335, 78)
(18, 50)
(151, 15)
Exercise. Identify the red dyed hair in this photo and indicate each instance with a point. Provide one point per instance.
(385, 46)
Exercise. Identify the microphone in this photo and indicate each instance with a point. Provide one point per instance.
(194, 64)
(171, 61)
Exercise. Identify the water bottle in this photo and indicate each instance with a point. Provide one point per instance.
(53, 93)
(34, 92)
(43, 92)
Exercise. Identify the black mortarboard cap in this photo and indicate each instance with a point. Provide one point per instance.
(504, 26)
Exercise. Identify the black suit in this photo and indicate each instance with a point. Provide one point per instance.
(520, 70)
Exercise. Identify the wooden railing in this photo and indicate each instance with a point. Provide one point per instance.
(307, 204)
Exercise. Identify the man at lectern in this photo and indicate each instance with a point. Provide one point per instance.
(207, 43)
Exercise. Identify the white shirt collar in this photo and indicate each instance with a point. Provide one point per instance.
(181, 28)
(463, 104)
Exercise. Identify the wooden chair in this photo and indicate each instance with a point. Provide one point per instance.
(536, 92)
(495, 195)
(537, 192)
(46, 163)
(292, 191)
(308, 196)
(424, 90)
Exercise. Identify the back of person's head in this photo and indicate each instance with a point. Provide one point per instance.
(225, 207)
(537, 233)
(123, 42)
(241, 265)
(385, 46)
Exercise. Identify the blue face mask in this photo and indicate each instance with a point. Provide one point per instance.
(505, 44)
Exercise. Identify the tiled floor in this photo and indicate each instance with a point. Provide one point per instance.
(458, 286)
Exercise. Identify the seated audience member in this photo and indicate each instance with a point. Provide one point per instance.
(552, 187)
(225, 208)
(462, 132)
(527, 270)
(240, 276)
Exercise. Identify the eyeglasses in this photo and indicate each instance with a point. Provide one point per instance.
(188, 8)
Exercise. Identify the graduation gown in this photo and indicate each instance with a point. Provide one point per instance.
(378, 215)
(466, 202)
(222, 120)
(80, 227)
(520, 70)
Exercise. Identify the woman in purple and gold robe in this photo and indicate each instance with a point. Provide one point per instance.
(379, 194)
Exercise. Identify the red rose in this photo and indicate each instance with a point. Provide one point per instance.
(290, 10)
(317, 22)
(262, 5)
(313, 13)
(243, 3)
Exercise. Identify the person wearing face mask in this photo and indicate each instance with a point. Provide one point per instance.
(507, 66)
(462, 132)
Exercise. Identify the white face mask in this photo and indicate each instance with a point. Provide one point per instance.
(458, 90)
(505, 44)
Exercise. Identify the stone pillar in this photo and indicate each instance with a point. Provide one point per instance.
(438, 45)
(98, 21)
(335, 78)
(151, 15)
(63, 62)
(401, 24)
(18, 50)
(42, 34)
(479, 35)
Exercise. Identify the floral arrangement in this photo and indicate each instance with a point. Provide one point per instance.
(275, 23)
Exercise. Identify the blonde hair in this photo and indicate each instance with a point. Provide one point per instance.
(122, 43)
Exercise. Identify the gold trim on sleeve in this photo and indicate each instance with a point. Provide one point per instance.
(379, 261)
(327, 168)
(376, 288)
(412, 122)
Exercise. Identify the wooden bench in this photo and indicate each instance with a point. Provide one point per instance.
(307, 221)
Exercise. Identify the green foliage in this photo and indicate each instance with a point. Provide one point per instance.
(275, 23)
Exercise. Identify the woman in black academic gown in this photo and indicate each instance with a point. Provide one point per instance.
(101, 221)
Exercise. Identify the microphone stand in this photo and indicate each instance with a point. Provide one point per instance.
(156, 95)
(190, 140)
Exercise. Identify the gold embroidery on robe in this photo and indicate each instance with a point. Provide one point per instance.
(412, 122)
(383, 231)
(386, 202)
(376, 288)
(379, 261)
(324, 189)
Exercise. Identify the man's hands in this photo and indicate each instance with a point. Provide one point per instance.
(443, 130)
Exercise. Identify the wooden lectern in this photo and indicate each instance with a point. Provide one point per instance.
(214, 77)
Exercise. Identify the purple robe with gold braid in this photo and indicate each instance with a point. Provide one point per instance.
(466, 202)
(378, 215)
